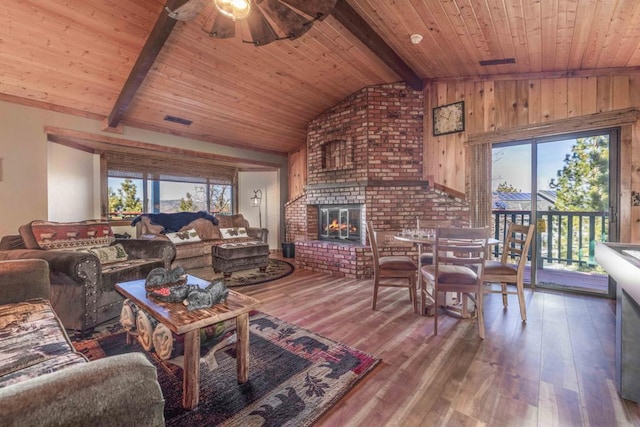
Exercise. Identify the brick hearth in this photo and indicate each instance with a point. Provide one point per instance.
(366, 151)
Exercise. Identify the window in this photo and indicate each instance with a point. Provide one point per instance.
(129, 198)
(147, 184)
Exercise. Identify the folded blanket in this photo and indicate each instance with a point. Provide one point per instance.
(173, 222)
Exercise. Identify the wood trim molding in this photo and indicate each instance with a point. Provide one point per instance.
(449, 191)
(48, 106)
(605, 119)
(596, 72)
(99, 143)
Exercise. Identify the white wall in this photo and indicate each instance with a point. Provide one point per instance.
(23, 189)
(28, 164)
(71, 184)
(270, 208)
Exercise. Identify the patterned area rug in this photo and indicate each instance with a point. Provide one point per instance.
(294, 377)
(276, 269)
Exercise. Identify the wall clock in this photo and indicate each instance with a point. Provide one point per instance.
(448, 118)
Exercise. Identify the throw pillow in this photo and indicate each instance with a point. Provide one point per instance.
(110, 254)
(186, 236)
(69, 235)
(232, 233)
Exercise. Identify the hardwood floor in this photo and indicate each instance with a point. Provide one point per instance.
(557, 369)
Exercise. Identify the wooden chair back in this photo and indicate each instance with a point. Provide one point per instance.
(391, 267)
(461, 246)
(459, 253)
(516, 245)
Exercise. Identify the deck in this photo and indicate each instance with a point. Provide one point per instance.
(570, 280)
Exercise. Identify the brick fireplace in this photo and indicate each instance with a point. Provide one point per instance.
(366, 152)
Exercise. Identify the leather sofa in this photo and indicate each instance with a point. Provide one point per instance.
(85, 262)
(45, 382)
(194, 239)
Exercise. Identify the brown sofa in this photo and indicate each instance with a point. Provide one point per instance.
(45, 382)
(85, 262)
(195, 239)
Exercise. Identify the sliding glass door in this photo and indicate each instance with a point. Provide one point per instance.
(566, 186)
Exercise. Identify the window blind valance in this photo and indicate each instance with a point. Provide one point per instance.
(167, 169)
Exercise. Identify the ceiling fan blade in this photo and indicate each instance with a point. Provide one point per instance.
(188, 11)
(318, 9)
(261, 32)
(288, 21)
(223, 27)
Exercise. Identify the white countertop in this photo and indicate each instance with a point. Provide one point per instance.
(622, 262)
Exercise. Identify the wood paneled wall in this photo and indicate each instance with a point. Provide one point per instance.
(297, 172)
(502, 104)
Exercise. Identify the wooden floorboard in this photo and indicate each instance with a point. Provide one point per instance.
(556, 369)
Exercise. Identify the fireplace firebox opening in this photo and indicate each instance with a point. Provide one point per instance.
(340, 223)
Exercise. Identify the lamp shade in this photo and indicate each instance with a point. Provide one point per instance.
(234, 9)
(256, 200)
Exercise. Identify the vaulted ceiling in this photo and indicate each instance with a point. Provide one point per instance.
(77, 56)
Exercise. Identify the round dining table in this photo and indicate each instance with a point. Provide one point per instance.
(420, 239)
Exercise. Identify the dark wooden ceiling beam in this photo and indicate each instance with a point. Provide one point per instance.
(158, 36)
(353, 22)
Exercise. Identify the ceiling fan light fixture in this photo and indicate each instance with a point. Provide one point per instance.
(234, 9)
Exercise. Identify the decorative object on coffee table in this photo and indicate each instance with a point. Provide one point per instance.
(213, 294)
(167, 285)
(163, 276)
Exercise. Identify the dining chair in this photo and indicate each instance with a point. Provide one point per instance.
(510, 267)
(460, 254)
(427, 256)
(391, 267)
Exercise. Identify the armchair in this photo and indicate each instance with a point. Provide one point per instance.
(45, 382)
(82, 282)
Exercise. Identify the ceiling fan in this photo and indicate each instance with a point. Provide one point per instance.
(267, 20)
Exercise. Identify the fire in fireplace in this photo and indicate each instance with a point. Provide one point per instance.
(339, 222)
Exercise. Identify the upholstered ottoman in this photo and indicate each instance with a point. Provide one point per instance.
(230, 257)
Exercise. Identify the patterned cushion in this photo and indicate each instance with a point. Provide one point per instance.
(67, 235)
(110, 254)
(33, 342)
(186, 236)
(233, 233)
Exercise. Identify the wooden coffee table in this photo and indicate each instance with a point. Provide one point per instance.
(179, 320)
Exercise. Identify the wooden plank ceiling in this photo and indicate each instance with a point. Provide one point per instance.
(76, 55)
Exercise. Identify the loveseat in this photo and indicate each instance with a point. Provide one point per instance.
(196, 233)
(45, 382)
(85, 262)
